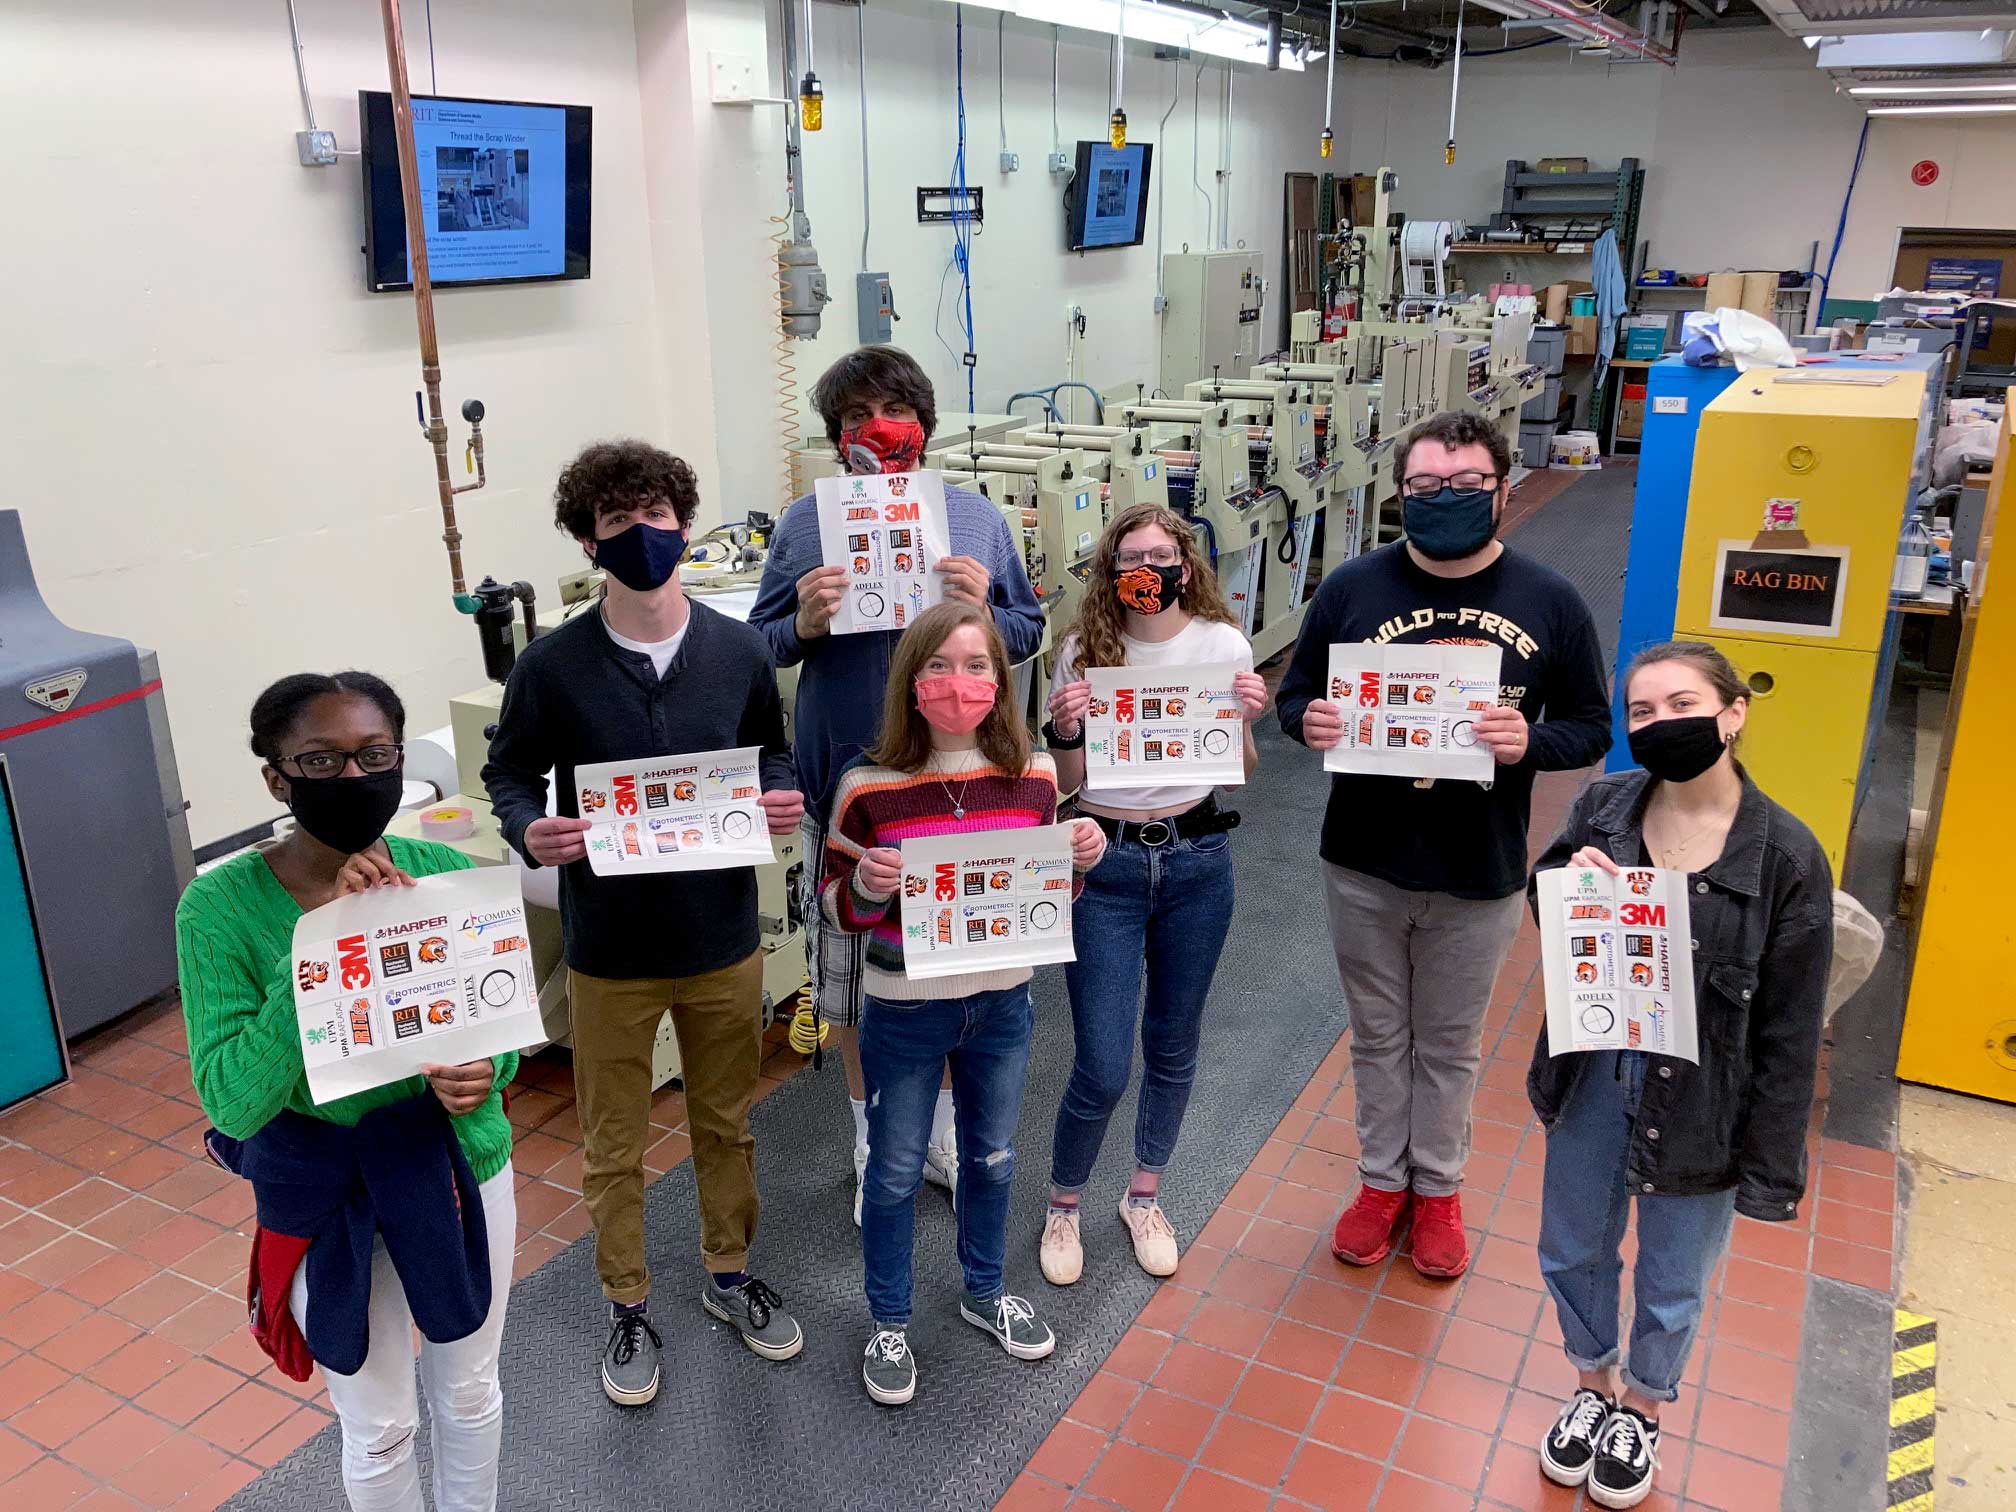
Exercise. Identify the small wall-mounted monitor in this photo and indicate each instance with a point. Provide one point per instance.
(504, 190)
(1106, 204)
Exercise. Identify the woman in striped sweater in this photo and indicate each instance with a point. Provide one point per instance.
(953, 758)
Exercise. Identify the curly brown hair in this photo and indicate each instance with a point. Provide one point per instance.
(613, 475)
(905, 743)
(1102, 617)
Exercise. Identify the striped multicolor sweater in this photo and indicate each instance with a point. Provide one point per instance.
(875, 806)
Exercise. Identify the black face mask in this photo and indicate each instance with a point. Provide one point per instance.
(1678, 750)
(1450, 525)
(1149, 589)
(347, 814)
(643, 557)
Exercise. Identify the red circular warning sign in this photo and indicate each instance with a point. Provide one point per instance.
(1924, 173)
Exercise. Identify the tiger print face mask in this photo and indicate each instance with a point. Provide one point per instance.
(1149, 589)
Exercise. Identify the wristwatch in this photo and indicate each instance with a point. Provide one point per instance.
(1058, 742)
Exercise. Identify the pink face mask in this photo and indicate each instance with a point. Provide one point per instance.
(957, 702)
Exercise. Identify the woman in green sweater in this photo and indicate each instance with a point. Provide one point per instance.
(333, 753)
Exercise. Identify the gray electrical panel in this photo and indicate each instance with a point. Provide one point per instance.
(877, 305)
(1213, 316)
(97, 800)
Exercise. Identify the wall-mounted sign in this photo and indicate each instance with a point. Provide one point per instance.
(1789, 592)
(1925, 173)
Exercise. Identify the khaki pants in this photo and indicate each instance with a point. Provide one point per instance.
(718, 1018)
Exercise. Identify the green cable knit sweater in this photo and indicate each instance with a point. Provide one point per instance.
(234, 937)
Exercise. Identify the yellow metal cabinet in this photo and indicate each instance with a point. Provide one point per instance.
(1798, 493)
(1960, 1018)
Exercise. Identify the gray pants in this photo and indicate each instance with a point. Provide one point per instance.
(1417, 969)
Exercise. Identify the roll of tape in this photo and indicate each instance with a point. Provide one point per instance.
(448, 823)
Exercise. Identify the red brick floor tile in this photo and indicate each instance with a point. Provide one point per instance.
(238, 1350)
(1203, 1375)
(1358, 1424)
(572, 1224)
(1285, 1401)
(1511, 1308)
(29, 1232)
(302, 1425)
(116, 1441)
(157, 1299)
(218, 1487)
(1838, 1152)
(191, 1184)
(1105, 1401)
(1138, 1354)
(229, 1207)
(1032, 1493)
(1225, 1228)
(111, 1276)
(1320, 1303)
(1485, 1177)
(174, 1239)
(132, 1368)
(1751, 1376)
(166, 1119)
(1304, 1207)
(1335, 1174)
(126, 1222)
(34, 1180)
(1766, 1330)
(205, 1323)
(1491, 1139)
(1272, 1158)
(189, 1391)
(1172, 1424)
(1248, 1193)
(1397, 1326)
(1135, 1479)
(1486, 1351)
(1854, 1225)
(1169, 1308)
(244, 1417)
(16, 1454)
(1524, 1181)
(48, 1484)
(42, 1316)
(1334, 1482)
(221, 1261)
(1200, 1263)
(537, 1153)
(1515, 1480)
(87, 1341)
(1226, 1325)
(1253, 1283)
(539, 1203)
(1456, 1396)
(1781, 1244)
(1500, 1259)
(1858, 1188)
(1249, 1451)
(1381, 1373)
(1516, 1220)
(1443, 1452)
(1067, 1454)
(1301, 1350)
(1402, 1283)
(1730, 1484)
(1764, 1285)
(64, 1259)
(533, 1253)
(1207, 1492)
(1336, 1136)
(167, 1475)
(1852, 1263)
(1547, 1372)
(63, 1414)
(1744, 1428)
(1410, 1493)
(145, 1166)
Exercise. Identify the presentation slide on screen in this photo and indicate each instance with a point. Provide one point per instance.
(493, 186)
(1115, 196)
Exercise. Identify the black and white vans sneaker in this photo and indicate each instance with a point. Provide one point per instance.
(1627, 1454)
(1012, 1322)
(1570, 1448)
(890, 1370)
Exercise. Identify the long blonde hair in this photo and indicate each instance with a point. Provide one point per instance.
(905, 742)
(1101, 616)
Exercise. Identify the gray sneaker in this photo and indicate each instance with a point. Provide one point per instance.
(890, 1370)
(1013, 1323)
(630, 1361)
(757, 1313)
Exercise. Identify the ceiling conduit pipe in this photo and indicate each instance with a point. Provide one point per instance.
(1587, 24)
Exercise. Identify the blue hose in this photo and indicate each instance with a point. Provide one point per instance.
(1841, 226)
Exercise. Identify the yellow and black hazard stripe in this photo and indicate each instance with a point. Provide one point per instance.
(1913, 1364)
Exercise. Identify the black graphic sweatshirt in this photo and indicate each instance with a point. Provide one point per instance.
(1463, 838)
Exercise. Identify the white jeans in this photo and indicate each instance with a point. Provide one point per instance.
(377, 1406)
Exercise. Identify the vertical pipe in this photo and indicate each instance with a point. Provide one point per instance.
(1455, 83)
(423, 284)
(300, 66)
(1330, 77)
(861, 71)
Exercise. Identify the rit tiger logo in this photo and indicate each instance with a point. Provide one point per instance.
(311, 974)
(1140, 590)
(1640, 883)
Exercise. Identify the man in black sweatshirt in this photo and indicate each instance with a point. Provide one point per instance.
(648, 673)
(1426, 879)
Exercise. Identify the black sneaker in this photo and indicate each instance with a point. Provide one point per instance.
(1012, 1322)
(1570, 1447)
(890, 1370)
(630, 1361)
(757, 1313)
(1627, 1454)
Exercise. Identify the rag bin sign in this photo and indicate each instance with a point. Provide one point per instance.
(1791, 592)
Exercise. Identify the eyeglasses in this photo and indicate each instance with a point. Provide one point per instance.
(1154, 556)
(1426, 485)
(372, 760)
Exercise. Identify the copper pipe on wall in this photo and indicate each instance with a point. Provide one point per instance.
(435, 426)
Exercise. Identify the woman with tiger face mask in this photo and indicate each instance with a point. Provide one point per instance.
(1156, 912)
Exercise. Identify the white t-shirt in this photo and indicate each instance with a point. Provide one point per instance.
(660, 652)
(1200, 643)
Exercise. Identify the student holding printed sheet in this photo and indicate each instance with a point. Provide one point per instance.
(650, 673)
(1160, 905)
(953, 759)
(1424, 876)
(1692, 1143)
(333, 749)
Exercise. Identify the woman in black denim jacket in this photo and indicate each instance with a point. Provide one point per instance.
(1692, 1144)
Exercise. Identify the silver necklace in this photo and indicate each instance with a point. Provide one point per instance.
(957, 800)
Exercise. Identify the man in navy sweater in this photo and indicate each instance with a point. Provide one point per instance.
(648, 673)
(880, 411)
(1426, 879)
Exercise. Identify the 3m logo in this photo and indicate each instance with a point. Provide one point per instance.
(353, 963)
(895, 512)
(1645, 915)
(626, 794)
(1123, 705)
(945, 882)
(1368, 690)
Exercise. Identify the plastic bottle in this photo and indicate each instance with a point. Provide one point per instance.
(1914, 558)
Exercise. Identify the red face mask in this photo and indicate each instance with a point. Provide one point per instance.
(957, 702)
(882, 445)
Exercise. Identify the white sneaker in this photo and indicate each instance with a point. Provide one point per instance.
(860, 1179)
(1062, 1253)
(1154, 1238)
(941, 1164)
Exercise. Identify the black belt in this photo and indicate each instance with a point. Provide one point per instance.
(1205, 819)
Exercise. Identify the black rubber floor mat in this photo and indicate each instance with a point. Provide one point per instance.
(1584, 533)
(730, 1431)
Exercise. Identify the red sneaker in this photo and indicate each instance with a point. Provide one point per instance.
(1441, 1248)
(1364, 1234)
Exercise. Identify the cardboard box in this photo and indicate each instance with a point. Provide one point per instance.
(1562, 165)
(1581, 335)
(1555, 305)
(1631, 418)
(1725, 290)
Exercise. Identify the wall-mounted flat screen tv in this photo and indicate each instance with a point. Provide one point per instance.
(1106, 204)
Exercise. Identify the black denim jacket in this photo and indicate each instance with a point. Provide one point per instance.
(1763, 936)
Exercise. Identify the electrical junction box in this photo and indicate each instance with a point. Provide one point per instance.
(877, 306)
(317, 148)
(1011, 162)
(1060, 162)
(1213, 317)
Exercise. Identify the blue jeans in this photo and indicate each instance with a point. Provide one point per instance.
(904, 1048)
(1583, 1206)
(1160, 912)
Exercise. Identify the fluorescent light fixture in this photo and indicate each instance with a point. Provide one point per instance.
(1812, 41)
(1899, 91)
(1926, 110)
(1160, 25)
